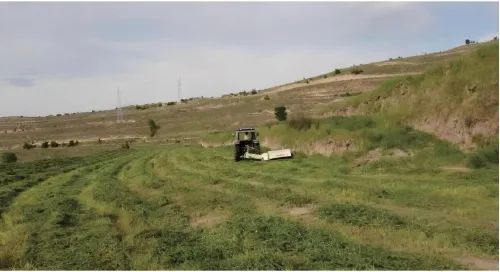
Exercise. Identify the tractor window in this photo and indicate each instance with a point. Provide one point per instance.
(246, 136)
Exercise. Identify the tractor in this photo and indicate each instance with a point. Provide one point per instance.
(247, 146)
(246, 141)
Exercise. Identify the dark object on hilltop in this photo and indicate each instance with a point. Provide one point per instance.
(337, 71)
(153, 127)
(9, 157)
(45, 144)
(54, 144)
(280, 113)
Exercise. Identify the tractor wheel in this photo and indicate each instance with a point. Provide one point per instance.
(237, 155)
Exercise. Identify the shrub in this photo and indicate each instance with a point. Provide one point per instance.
(300, 123)
(54, 144)
(45, 144)
(126, 145)
(254, 91)
(153, 127)
(28, 146)
(9, 157)
(171, 103)
(267, 97)
(357, 71)
(484, 156)
(280, 113)
(337, 71)
(72, 143)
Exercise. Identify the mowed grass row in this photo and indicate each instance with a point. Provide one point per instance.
(181, 207)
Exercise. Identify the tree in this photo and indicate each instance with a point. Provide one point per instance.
(337, 71)
(8, 157)
(280, 113)
(153, 127)
(467, 41)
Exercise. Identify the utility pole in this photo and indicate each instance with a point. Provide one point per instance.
(119, 113)
(179, 90)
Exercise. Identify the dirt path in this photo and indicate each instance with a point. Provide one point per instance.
(333, 79)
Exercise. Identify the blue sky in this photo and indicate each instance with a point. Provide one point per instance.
(70, 57)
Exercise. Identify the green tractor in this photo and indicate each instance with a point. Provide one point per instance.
(247, 146)
(246, 141)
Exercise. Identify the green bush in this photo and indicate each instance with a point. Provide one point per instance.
(484, 156)
(9, 157)
(300, 123)
(337, 71)
(72, 143)
(357, 71)
(28, 146)
(280, 113)
(153, 127)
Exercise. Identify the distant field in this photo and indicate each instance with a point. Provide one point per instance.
(188, 207)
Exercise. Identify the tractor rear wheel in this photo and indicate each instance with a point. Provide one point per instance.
(237, 155)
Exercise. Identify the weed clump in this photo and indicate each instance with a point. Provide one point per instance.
(9, 157)
(360, 215)
(300, 123)
(484, 156)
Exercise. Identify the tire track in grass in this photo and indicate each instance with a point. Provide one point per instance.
(56, 230)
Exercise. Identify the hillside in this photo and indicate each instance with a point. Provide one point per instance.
(316, 97)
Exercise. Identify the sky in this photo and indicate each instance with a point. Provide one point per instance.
(58, 57)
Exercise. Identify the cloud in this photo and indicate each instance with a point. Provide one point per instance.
(80, 51)
(20, 81)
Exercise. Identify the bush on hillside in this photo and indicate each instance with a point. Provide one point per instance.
(54, 144)
(28, 146)
(280, 113)
(484, 156)
(171, 103)
(267, 97)
(72, 143)
(254, 91)
(9, 157)
(300, 123)
(45, 144)
(153, 127)
(357, 71)
(337, 71)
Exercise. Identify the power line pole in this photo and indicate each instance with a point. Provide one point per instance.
(179, 89)
(119, 113)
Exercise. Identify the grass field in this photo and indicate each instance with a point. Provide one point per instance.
(188, 207)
